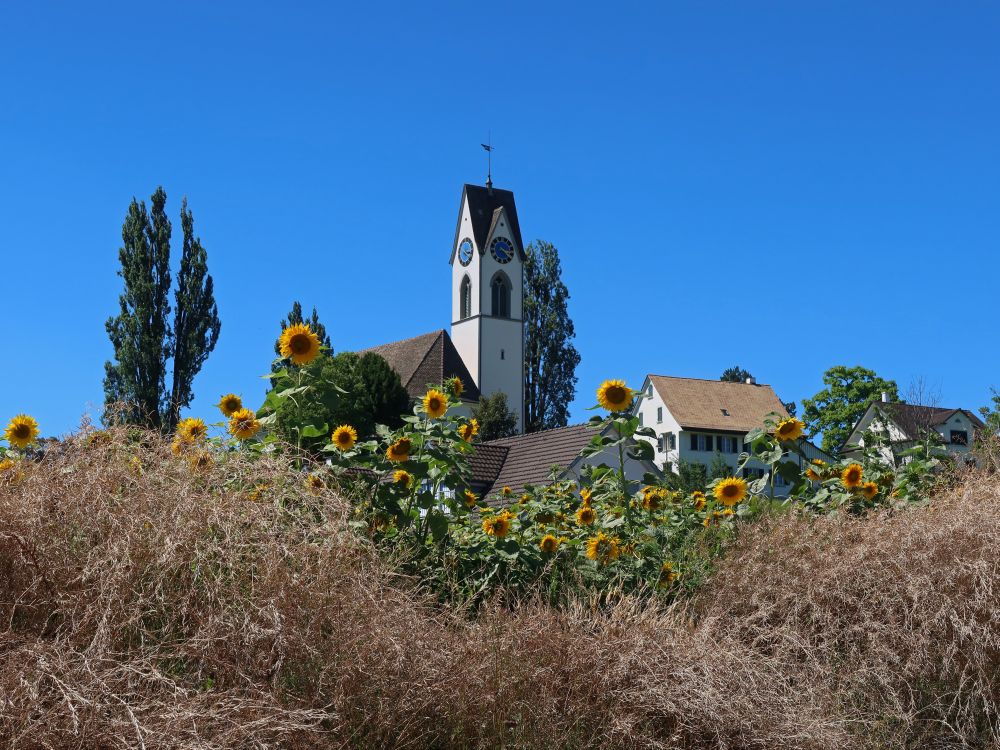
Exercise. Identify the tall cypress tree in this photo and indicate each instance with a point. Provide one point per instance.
(550, 359)
(196, 319)
(141, 334)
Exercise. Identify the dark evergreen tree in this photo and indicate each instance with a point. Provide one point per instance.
(359, 390)
(495, 418)
(550, 359)
(141, 335)
(735, 375)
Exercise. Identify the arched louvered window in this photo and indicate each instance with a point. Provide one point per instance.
(465, 299)
(500, 288)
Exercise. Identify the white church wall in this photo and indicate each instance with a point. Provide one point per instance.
(502, 360)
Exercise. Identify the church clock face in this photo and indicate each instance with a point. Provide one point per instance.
(502, 250)
(465, 252)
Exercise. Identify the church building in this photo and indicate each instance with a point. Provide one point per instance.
(485, 348)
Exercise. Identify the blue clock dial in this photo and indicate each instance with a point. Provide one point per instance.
(465, 252)
(502, 249)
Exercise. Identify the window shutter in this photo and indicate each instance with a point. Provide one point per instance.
(708, 443)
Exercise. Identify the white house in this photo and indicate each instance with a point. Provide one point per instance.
(704, 421)
(906, 424)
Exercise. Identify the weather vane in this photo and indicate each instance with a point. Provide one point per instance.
(488, 146)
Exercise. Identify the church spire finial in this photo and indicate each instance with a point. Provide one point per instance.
(489, 162)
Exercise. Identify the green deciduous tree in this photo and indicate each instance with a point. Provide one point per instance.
(144, 341)
(550, 359)
(837, 408)
(495, 418)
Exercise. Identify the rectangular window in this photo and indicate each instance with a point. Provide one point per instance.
(959, 437)
(659, 414)
(728, 444)
(694, 442)
(708, 443)
(660, 444)
(672, 437)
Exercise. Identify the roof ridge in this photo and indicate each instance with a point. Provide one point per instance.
(537, 432)
(704, 380)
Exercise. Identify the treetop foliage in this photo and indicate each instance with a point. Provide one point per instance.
(837, 408)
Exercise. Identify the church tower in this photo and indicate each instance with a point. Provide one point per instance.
(487, 283)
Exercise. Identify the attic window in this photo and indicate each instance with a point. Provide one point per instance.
(725, 412)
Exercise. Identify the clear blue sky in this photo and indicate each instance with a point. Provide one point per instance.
(782, 185)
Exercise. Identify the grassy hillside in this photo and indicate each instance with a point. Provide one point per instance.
(149, 602)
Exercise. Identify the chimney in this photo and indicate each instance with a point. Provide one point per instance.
(751, 380)
(885, 397)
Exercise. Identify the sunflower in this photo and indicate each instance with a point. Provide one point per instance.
(191, 430)
(177, 447)
(344, 437)
(507, 491)
(603, 548)
(200, 460)
(498, 526)
(852, 476)
(435, 403)
(525, 498)
(243, 424)
(455, 386)
(727, 513)
(470, 499)
(257, 493)
(653, 497)
(6, 465)
(22, 431)
(812, 474)
(230, 404)
(614, 395)
(402, 477)
(698, 499)
(667, 574)
(789, 429)
(399, 451)
(586, 495)
(869, 490)
(586, 515)
(299, 344)
(548, 544)
(469, 430)
(730, 490)
(314, 484)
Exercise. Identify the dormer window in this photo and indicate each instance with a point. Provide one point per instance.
(725, 412)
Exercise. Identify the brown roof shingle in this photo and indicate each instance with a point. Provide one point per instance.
(703, 404)
(529, 458)
(424, 360)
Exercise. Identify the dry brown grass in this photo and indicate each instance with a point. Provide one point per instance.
(167, 608)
